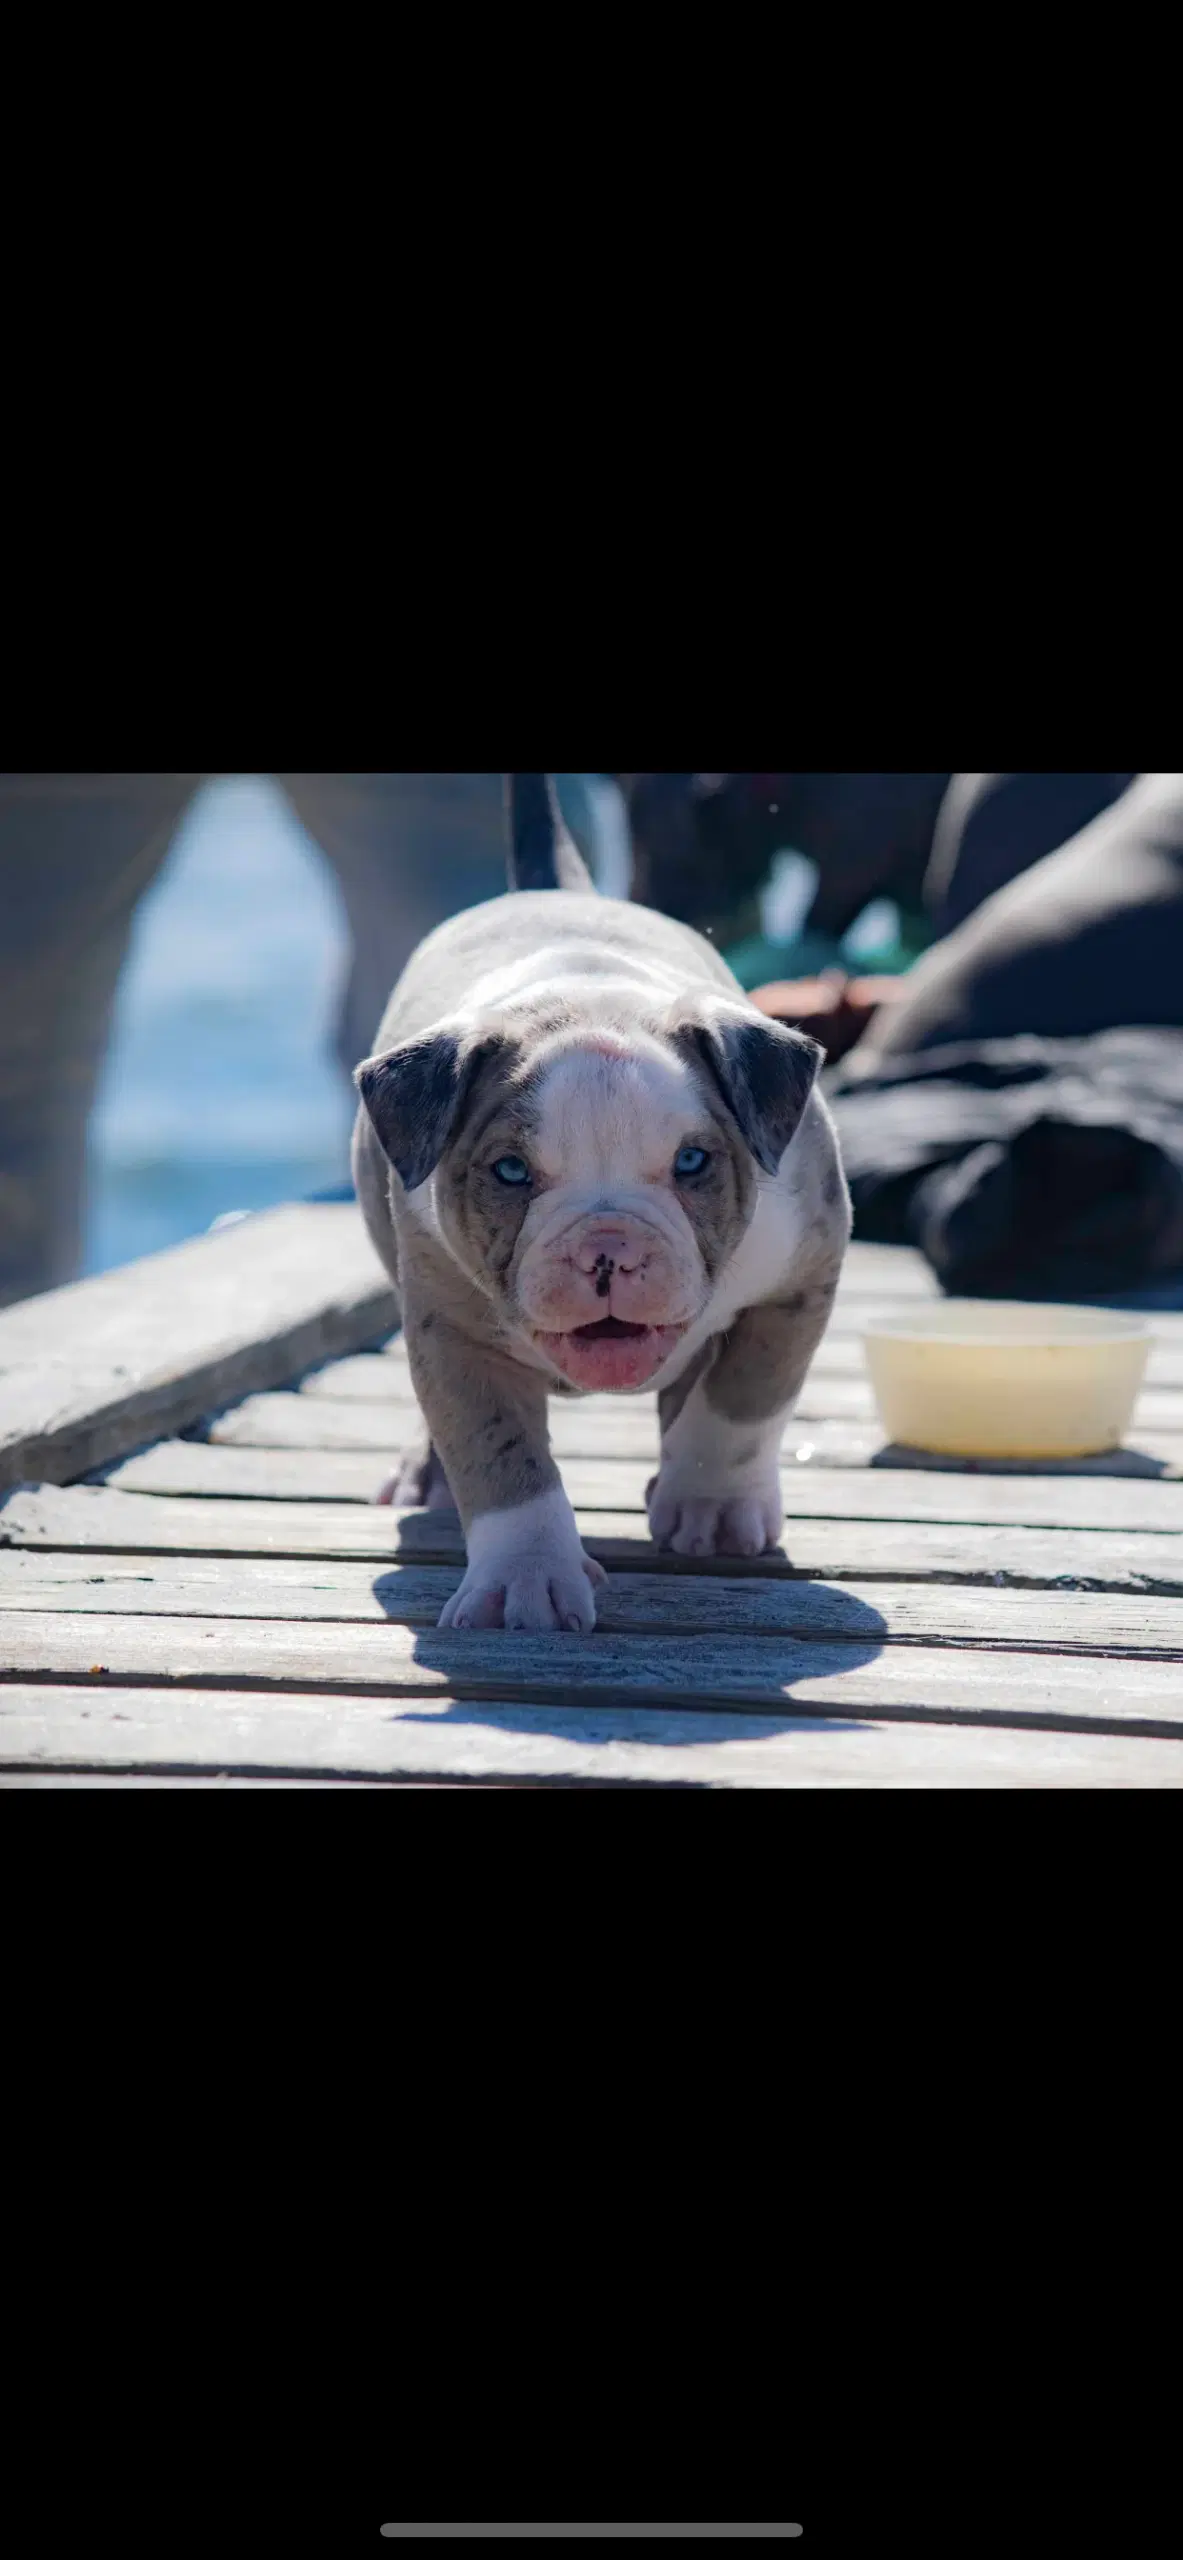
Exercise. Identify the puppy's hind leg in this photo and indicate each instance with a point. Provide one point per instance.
(418, 1482)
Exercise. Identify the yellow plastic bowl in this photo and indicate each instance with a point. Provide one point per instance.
(974, 1378)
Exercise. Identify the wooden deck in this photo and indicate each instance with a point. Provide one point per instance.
(195, 1586)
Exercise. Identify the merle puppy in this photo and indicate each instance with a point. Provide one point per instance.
(588, 1163)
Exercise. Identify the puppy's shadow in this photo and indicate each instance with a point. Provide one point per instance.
(661, 1728)
(638, 1675)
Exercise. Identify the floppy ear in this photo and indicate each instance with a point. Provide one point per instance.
(764, 1071)
(416, 1095)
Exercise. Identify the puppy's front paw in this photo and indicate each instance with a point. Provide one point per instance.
(720, 1524)
(523, 1594)
(527, 1570)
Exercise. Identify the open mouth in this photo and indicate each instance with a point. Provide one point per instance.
(611, 1353)
(610, 1329)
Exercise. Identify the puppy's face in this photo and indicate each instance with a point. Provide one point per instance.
(601, 1193)
(594, 1183)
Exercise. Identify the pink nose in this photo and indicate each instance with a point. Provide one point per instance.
(601, 1248)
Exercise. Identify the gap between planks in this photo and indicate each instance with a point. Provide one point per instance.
(385, 1374)
(84, 1774)
(903, 1612)
(1094, 1496)
(593, 1429)
(697, 1675)
(81, 1519)
(448, 1741)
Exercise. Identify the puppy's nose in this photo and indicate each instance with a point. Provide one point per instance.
(606, 1249)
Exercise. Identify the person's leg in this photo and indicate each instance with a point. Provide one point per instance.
(408, 849)
(76, 853)
(1087, 939)
(992, 826)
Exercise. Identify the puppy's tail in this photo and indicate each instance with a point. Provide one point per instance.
(541, 853)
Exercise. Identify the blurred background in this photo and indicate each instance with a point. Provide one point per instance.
(221, 1091)
(191, 965)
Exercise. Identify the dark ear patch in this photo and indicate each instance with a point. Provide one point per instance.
(416, 1096)
(765, 1073)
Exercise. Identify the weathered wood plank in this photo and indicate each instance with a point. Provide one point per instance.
(81, 1519)
(107, 1778)
(907, 1611)
(291, 1475)
(583, 1429)
(224, 1777)
(383, 1377)
(316, 1422)
(837, 1441)
(764, 1675)
(90, 1371)
(598, 1426)
(370, 1377)
(591, 1427)
(198, 1467)
(1089, 1499)
(840, 1353)
(386, 1372)
(178, 1731)
(85, 1516)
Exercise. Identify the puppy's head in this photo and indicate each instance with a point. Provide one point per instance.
(594, 1182)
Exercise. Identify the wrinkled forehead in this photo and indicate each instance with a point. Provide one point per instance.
(609, 1105)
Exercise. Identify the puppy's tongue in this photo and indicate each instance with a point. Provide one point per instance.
(612, 1353)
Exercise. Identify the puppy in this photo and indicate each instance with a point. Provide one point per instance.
(589, 1163)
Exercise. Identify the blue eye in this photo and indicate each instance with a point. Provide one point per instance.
(689, 1160)
(512, 1169)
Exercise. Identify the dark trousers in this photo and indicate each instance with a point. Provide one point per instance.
(1086, 937)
